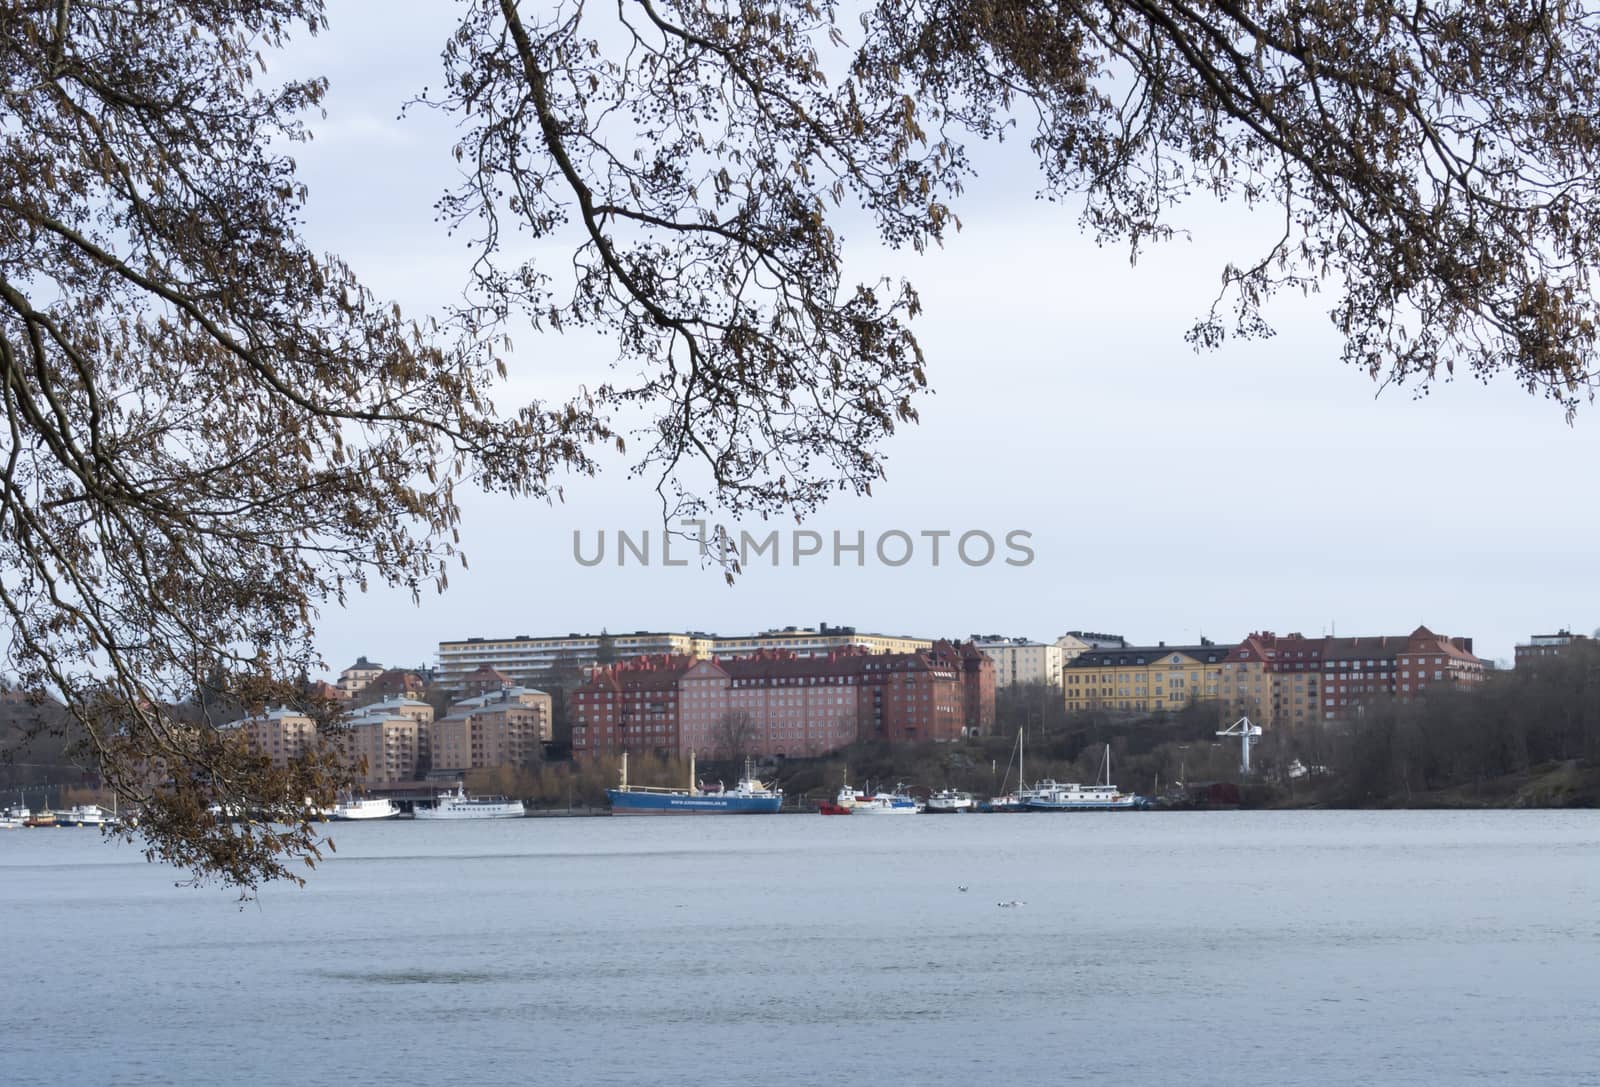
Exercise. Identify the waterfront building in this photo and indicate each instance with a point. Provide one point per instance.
(392, 735)
(977, 683)
(631, 706)
(387, 746)
(769, 703)
(508, 727)
(282, 734)
(1292, 680)
(1430, 660)
(1275, 680)
(779, 702)
(1544, 646)
(1143, 678)
(1019, 660)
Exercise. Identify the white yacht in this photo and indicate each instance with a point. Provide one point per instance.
(14, 818)
(458, 805)
(365, 808)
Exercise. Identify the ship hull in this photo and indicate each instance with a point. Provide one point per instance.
(363, 817)
(632, 803)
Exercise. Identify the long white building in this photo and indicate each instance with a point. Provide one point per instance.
(524, 656)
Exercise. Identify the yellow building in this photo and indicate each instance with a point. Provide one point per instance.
(1143, 678)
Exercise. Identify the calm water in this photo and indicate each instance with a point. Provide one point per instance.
(1206, 948)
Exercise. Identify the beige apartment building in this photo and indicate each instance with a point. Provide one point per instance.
(1018, 660)
(392, 737)
(282, 735)
(503, 728)
(386, 748)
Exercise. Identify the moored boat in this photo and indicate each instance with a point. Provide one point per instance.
(350, 811)
(749, 797)
(458, 805)
(14, 818)
(83, 815)
(879, 803)
(40, 819)
(947, 801)
(1017, 799)
(1049, 795)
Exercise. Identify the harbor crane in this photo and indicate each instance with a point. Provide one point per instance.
(1248, 734)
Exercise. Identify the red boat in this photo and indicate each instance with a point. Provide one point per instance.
(828, 807)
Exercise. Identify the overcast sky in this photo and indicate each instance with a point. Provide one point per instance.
(1169, 495)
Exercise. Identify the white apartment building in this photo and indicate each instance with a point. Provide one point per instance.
(816, 641)
(1018, 660)
(523, 657)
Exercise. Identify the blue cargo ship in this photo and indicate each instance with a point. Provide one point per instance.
(749, 797)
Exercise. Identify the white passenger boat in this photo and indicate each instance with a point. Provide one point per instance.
(83, 815)
(14, 818)
(1049, 795)
(458, 805)
(349, 811)
(949, 800)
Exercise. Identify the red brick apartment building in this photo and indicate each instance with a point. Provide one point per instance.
(778, 702)
(629, 706)
(1294, 680)
(978, 681)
